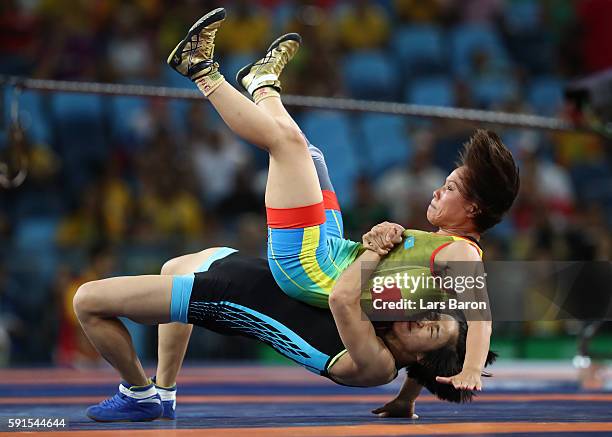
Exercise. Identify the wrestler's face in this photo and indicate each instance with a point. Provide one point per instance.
(448, 207)
(426, 335)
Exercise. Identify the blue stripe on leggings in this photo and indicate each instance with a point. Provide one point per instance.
(181, 293)
(182, 285)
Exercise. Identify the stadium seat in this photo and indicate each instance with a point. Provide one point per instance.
(522, 15)
(75, 105)
(80, 128)
(491, 91)
(469, 39)
(371, 75)
(385, 140)
(436, 91)
(171, 78)
(331, 132)
(125, 116)
(593, 182)
(419, 49)
(230, 64)
(35, 242)
(545, 95)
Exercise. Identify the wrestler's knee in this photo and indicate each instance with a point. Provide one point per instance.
(88, 300)
(289, 135)
(171, 267)
(186, 264)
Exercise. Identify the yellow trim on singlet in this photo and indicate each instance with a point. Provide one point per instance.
(278, 264)
(309, 261)
(335, 359)
(333, 263)
(470, 242)
(336, 220)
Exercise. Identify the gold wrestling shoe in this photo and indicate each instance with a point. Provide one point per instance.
(265, 72)
(193, 56)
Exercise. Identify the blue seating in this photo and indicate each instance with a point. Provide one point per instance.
(35, 242)
(230, 64)
(331, 132)
(371, 75)
(523, 15)
(436, 91)
(82, 136)
(75, 105)
(593, 181)
(545, 95)
(469, 39)
(491, 91)
(385, 140)
(172, 79)
(36, 234)
(80, 121)
(419, 49)
(126, 111)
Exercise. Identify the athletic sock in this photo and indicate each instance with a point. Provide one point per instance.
(209, 83)
(166, 393)
(263, 93)
(138, 391)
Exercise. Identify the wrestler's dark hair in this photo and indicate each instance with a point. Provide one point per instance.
(491, 179)
(446, 361)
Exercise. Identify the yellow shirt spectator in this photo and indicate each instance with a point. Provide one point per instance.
(364, 26)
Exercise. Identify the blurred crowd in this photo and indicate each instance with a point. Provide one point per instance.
(119, 185)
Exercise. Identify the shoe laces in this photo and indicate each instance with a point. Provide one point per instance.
(201, 45)
(117, 401)
(272, 56)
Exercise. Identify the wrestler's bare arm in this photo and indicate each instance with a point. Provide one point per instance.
(368, 361)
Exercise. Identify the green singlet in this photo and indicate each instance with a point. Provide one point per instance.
(403, 284)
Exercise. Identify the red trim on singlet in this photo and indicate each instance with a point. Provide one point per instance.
(433, 256)
(330, 200)
(296, 218)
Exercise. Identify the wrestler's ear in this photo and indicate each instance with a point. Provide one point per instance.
(472, 210)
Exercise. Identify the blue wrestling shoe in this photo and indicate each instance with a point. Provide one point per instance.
(130, 404)
(168, 400)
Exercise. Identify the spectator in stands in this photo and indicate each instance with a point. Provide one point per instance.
(10, 323)
(83, 225)
(116, 203)
(243, 197)
(245, 30)
(18, 45)
(481, 12)
(73, 348)
(365, 210)
(72, 49)
(364, 25)
(130, 51)
(217, 157)
(408, 188)
(417, 11)
(166, 207)
(168, 211)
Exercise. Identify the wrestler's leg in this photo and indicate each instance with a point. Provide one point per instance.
(300, 253)
(99, 304)
(333, 215)
(292, 177)
(173, 338)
